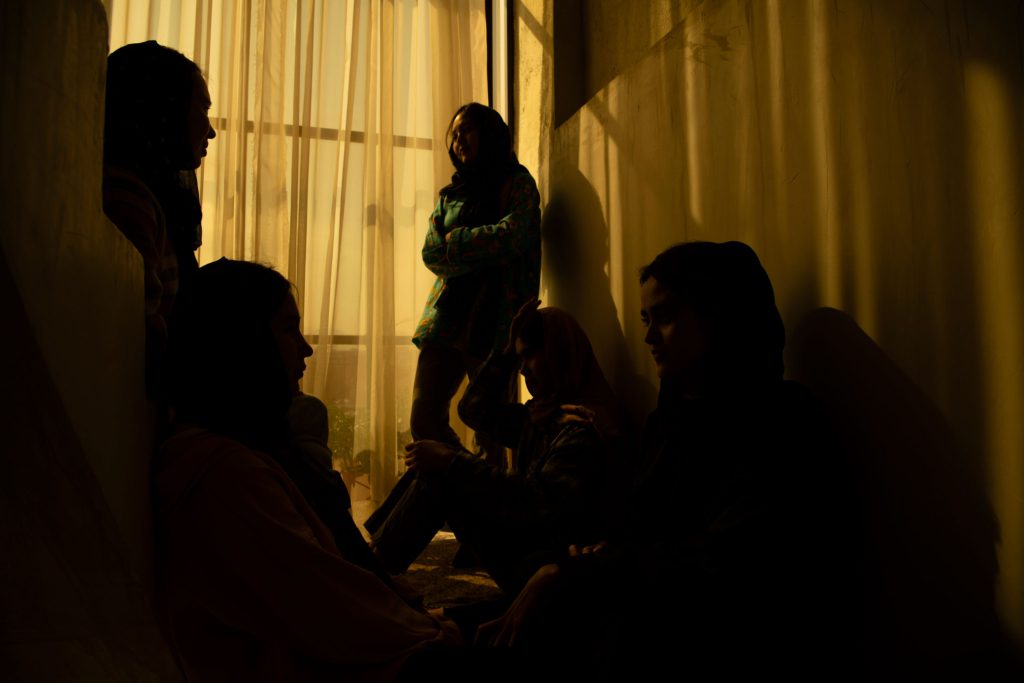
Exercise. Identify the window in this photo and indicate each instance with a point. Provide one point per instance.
(330, 121)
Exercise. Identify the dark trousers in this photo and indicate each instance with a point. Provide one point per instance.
(420, 505)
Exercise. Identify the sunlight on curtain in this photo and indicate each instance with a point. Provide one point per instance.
(330, 120)
(871, 154)
(996, 205)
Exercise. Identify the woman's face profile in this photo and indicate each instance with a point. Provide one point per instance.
(465, 138)
(287, 332)
(200, 132)
(676, 336)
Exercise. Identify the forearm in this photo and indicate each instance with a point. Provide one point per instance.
(512, 237)
(486, 406)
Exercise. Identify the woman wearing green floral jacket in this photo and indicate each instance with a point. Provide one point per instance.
(484, 246)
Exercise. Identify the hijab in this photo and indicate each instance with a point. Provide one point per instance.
(574, 373)
(729, 290)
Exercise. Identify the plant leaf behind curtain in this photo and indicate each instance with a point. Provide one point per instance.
(330, 120)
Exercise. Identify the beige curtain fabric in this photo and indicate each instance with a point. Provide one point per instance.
(330, 119)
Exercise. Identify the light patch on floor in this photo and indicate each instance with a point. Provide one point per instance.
(432, 573)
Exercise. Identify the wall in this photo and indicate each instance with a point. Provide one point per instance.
(76, 577)
(871, 153)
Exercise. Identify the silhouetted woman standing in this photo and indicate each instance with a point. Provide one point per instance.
(484, 246)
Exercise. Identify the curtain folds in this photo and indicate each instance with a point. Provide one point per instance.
(330, 119)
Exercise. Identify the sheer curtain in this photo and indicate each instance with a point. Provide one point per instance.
(330, 119)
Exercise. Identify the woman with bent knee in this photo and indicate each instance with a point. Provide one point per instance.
(484, 246)
(555, 494)
(256, 586)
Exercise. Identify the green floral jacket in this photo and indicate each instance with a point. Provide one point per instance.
(502, 261)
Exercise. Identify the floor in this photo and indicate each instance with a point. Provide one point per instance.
(432, 573)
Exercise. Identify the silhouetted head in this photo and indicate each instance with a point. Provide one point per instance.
(236, 352)
(479, 140)
(555, 354)
(157, 108)
(712, 323)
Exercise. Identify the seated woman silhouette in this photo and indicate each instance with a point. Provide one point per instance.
(729, 559)
(256, 586)
(513, 520)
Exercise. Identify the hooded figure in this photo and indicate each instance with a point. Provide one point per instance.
(575, 377)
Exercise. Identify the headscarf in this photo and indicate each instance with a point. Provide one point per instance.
(728, 289)
(574, 373)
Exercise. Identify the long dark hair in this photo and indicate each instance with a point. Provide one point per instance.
(225, 369)
(729, 289)
(479, 183)
(149, 93)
